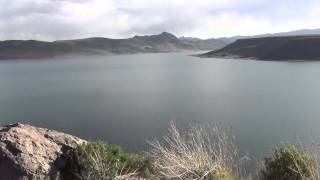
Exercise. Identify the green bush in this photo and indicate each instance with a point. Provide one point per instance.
(101, 161)
(141, 164)
(97, 160)
(288, 163)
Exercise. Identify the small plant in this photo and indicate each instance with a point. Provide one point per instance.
(204, 152)
(97, 160)
(288, 163)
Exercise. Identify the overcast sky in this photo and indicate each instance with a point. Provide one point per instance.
(68, 19)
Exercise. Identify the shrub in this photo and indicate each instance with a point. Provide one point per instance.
(205, 152)
(101, 161)
(97, 160)
(141, 164)
(288, 163)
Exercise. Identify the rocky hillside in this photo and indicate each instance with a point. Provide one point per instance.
(164, 42)
(272, 48)
(26, 151)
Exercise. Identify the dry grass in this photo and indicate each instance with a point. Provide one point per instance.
(127, 176)
(203, 152)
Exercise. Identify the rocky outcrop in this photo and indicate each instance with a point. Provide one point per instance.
(27, 151)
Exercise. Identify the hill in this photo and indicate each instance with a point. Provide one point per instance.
(272, 48)
(301, 32)
(164, 42)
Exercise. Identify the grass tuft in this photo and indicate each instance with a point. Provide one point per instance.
(204, 152)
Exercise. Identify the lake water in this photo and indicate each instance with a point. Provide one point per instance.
(127, 99)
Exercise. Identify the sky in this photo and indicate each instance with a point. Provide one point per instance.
(70, 19)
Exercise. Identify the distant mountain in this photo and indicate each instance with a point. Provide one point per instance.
(302, 32)
(164, 42)
(203, 44)
(272, 48)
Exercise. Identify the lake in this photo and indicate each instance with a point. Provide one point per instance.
(126, 99)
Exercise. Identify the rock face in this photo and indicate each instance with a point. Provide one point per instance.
(27, 151)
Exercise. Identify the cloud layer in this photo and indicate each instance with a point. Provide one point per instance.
(66, 19)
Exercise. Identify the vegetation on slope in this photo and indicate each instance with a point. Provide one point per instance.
(201, 153)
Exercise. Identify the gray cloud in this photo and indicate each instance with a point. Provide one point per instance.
(65, 19)
(13, 9)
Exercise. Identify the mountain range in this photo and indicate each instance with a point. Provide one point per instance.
(164, 42)
(300, 44)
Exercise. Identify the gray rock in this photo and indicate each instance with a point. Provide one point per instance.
(27, 151)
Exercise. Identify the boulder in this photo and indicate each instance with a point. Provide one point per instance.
(27, 151)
